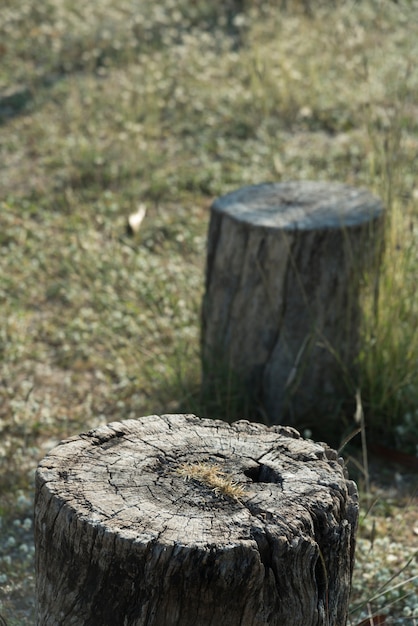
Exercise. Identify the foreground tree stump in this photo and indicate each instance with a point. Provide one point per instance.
(281, 311)
(175, 520)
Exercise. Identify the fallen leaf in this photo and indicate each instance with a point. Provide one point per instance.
(135, 220)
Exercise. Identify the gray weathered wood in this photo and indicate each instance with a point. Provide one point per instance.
(124, 537)
(281, 310)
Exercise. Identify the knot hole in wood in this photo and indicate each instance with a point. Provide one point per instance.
(264, 474)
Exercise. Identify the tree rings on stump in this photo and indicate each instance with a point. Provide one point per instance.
(175, 520)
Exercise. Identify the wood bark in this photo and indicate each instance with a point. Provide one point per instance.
(129, 533)
(281, 311)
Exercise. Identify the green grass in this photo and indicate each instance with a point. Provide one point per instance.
(107, 105)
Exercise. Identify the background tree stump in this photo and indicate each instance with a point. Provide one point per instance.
(176, 520)
(281, 310)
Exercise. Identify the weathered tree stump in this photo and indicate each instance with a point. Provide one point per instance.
(176, 520)
(281, 310)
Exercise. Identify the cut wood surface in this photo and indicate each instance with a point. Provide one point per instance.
(176, 520)
(281, 312)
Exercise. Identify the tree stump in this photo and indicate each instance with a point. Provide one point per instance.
(281, 310)
(175, 520)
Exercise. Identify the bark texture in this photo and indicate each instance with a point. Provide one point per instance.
(281, 310)
(125, 536)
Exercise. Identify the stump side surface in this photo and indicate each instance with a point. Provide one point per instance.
(115, 518)
(300, 205)
(281, 313)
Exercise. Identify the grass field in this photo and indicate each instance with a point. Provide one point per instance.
(108, 105)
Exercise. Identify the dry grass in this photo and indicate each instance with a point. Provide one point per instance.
(212, 476)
